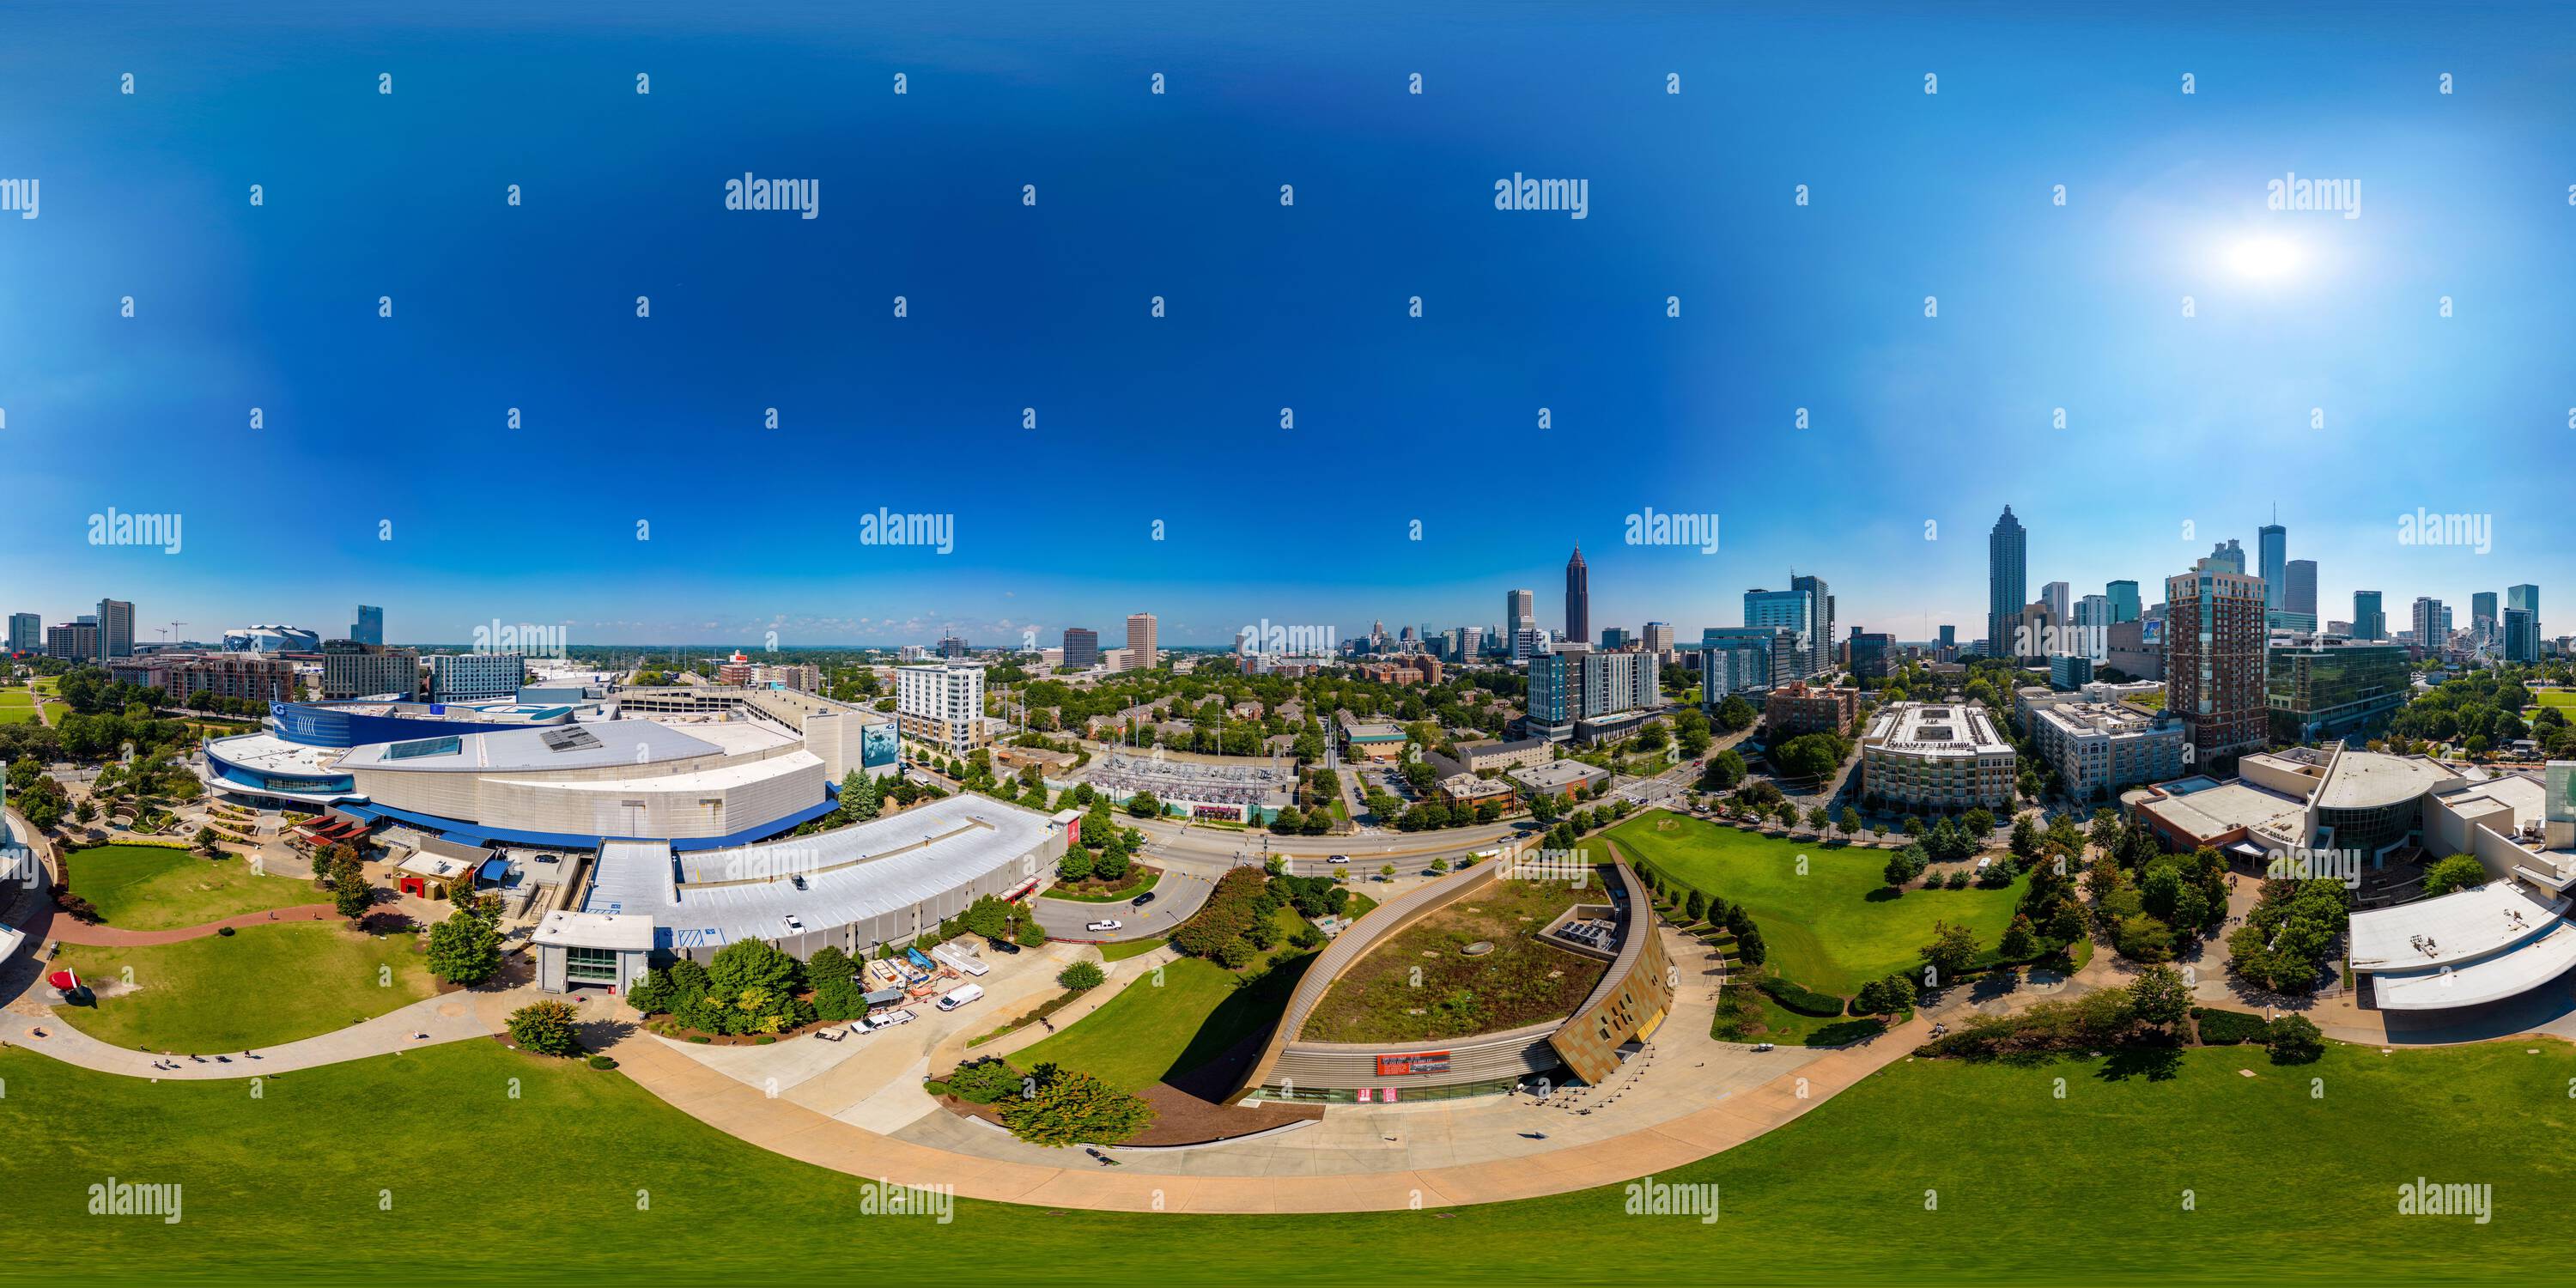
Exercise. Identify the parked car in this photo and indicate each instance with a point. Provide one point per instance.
(1111, 924)
(1141, 900)
(888, 1019)
(960, 996)
(1339, 858)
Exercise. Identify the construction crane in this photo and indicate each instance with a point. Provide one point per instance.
(170, 631)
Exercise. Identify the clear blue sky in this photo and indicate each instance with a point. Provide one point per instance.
(2171, 420)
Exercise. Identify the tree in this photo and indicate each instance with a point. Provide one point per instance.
(1734, 714)
(2458, 872)
(1952, 951)
(464, 949)
(2018, 942)
(545, 1027)
(1031, 934)
(838, 995)
(989, 917)
(204, 840)
(1081, 976)
(1075, 865)
(747, 964)
(1062, 1107)
(351, 892)
(1143, 805)
(1884, 996)
(2159, 997)
(2293, 1039)
(1820, 818)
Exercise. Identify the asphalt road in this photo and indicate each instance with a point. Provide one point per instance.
(1180, 893)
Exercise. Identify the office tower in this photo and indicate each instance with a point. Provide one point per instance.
(1140, 642)
(370, 626)
(2330, 688)
(1659, 638)
(2273, 541)
(354, 670)
(2482, 616)
(942, 704)
(1529, 642)
(2368, 623)
(2214, 641)
(2007, 582)
(1870, 651)
(1578, 598)
(2230, 555)
(2521, 635)
(115, 628)
(474, 677)
(1741, 659)
(2527, 598)
(1081, 648)
(1520, 609)
(26, 632)
(2429, 620)
(2060, 600)
(1615, 637)
(2299, 588)
(952, 646)
(1785, 610)
(1820, 622)
(1949, 644)
(1554, 695)
(2124, 602)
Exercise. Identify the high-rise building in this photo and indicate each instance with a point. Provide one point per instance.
(2007, 582)
(2368, 623)
(1746, 659)
(115, 628)
(2521, 635)
(2229, 555)
(1820, 622)
(952, 646)
(1520, 609)
(942, 704)
(1555, 693)
(475, 677)
(1659, 638)
(1140, 641)
(2124, 601)
(2527, 598)
(1615, 637)
(1870, 653)
(73, 641)
(1785, 610)
(2432, 623)
(354, 670)
(2332, 687)
(2482, 617)
(2273, 542)
(2214, 638)
(1949, 637)
(2299, 586)
(2060, 600)
(1578, 597)
(1081, 648)
(26, 632)
(370, 626)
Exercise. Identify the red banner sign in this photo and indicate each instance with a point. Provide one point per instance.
(1395, 1066)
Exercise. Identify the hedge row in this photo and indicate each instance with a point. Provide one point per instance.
(1805, 1001)
(2227, 1028)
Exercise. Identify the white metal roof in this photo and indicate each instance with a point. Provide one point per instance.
(609, 742)
(2452, 929)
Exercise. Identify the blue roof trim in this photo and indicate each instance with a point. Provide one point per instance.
(466, 833)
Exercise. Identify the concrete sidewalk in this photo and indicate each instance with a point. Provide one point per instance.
(449, 1017)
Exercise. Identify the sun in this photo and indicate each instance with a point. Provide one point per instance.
(2265, 258)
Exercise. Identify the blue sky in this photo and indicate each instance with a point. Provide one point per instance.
(2174, 424)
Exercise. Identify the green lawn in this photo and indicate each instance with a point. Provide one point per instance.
(2563, 699)
(145, 887)
(1134, 888)
(1833, 928)
(1153, 1030)
(1120, 952)
(258, 988)
(322, 1174)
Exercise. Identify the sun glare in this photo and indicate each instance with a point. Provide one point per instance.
(2266, 258)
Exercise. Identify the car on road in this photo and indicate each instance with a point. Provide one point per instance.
(1111, 924)
(1141, 900)
(1339, 858)
(957, 997)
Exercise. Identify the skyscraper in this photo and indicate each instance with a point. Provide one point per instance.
(2124, 601)
(2273, 541)
(1785, 610)
(2368, 623)
(2229, 555)
(2482, 616)
(115, 628)
(2060, 599)
(1578, 597)
(2299, 586)
(1520, 609)
(2007, 582)
(2527, 598)
(1140, 642)
(1081, 647)
(2430, 622)
(2521, 635)
(2214, 641)
(370, 626)
(1820, 622)
(26, 632)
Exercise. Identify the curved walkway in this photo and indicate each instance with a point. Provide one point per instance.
(448, 1017)
(52, 923)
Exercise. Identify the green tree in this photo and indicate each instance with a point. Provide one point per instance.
(2458, 872)
(1081, 976)
(2158, 996)
(1063, 1107)
(1952, 951)
(2018, 942)
(747, 964)
(838, 995)
(989, 917)
(1734, 714)
(464, 949)
(2294, 1039)
(545, 1027)
(351, 893)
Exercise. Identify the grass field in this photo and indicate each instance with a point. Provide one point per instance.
(146, 887)
(1152, 1031)
(264, 986)
(1833, 928)
(1930, 1172)
(1120, 952)
(2563, 699)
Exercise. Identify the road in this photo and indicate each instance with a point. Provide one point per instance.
(1180, 893)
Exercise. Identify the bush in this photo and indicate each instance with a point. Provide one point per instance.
(225, 931)
(545, 1027)
(984, 1081)
(1236, 953)
(603, 1062)
(2294, 1040)
(2228, 1028)
(1804, 1001)
(1081, 976)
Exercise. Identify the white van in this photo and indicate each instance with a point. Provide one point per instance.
(960, 996)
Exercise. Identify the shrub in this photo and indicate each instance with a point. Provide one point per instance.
(2293, 1040)
(545, 1027)
(1804, 1001)
(603, 1062)
(1236, 953)
(2228, 1028)
(225, 931)
(984, 1081)
(1080, 976)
